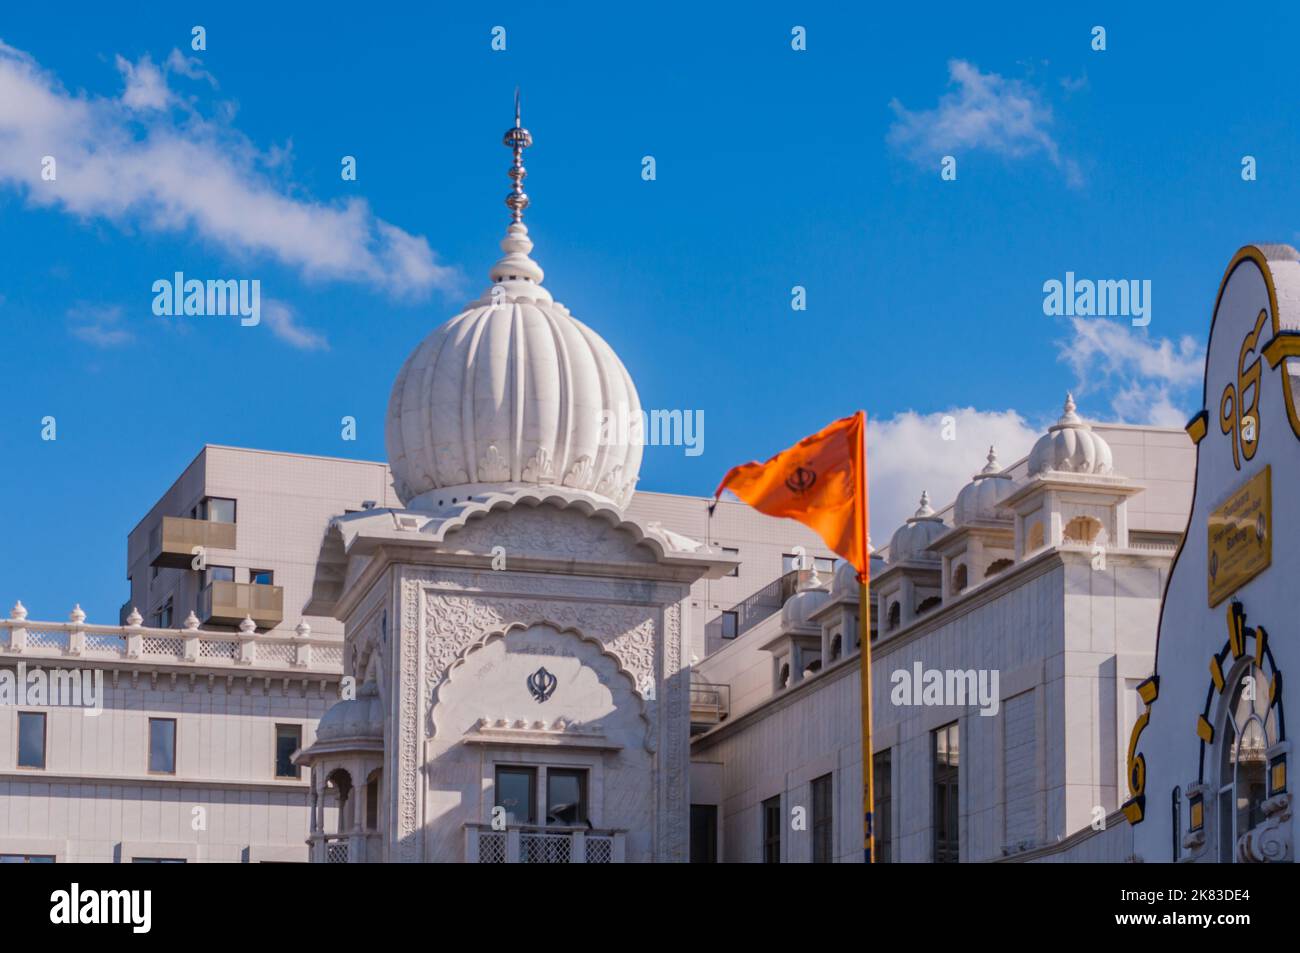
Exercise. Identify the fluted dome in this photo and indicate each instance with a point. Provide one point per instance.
(1070, 446)
(513, 391)
(800, 607)
(357, 719)
(979, 499)
(913, 538)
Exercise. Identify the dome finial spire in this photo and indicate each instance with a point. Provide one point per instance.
(517, 138)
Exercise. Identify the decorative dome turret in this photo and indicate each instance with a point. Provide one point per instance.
(1070, 446)
(356, 719)
(979, 499)
(799, 608)
(513, 391)
(914, 537)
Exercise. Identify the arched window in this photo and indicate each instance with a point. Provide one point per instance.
(339, 782)
(959, 578)
(372, 799)
(895, 615)
(1082, 529)
(1249, 728)
(783, 676)
(926, 605)
(836, 646)
(997, 566)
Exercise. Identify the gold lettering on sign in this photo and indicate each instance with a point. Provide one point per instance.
(1236, 417)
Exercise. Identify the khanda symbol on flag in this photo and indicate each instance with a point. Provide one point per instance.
(822, 482)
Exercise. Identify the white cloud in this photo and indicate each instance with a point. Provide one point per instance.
(99, 326)
(1151, 380)
(907, 453)
(133, 161)
(985, 112)
(283, 322)
(146, 88)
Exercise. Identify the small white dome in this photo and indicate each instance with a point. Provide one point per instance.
(357, 719)
(799, 608)
(914, 537)
(1070, 447)
(845, 581)
(979, 499)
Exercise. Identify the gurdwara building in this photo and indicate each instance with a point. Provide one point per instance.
(494, 648)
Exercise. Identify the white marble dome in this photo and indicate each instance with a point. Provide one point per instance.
(913, 538)
(800, 607)
(356, 719)
(513, 391)
(979, 499)
(1070, 446)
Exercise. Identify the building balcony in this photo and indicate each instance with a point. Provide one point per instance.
(228, 603)
(710, 705)
(175, 541)
(542, 845)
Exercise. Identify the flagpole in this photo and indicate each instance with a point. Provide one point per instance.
(864, 635)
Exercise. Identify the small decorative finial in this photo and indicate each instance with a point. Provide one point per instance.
(518, 139)
(78, 615)
(926, 509)
(1069, 418)
(1069, 402)
(248, 626)
(303, 629)
(135, 618)
(992, 465)
(19, 611)
(191, 621)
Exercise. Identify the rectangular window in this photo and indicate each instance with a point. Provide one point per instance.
(823, 819)
(732, 551)
(825, 565)
(947, 752)
(730, 624)
(165, 615)
(566, 796)
(372, 803)
(26, 858)
(288, 739)
(704, 833)
(216, 509)
(31, 739)
(772, 830)
(162, 745)
(516, 789)
(882, 810)
(261, 577)
(218, 574)
(790, 562)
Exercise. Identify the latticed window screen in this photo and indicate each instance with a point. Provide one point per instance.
(545, 848)
(492, 848)
(600, 850)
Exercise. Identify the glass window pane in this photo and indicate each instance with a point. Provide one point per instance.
(220, 510)
(162, 745)
(261, 577)
(514, 792)
(219, 574)
(288, 739)
(31, 739)
(566, 796)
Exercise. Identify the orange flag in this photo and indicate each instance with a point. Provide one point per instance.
(821, 481)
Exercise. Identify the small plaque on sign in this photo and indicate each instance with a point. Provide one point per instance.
(1240, 535)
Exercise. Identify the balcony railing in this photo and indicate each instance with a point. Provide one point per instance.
(542, 845)
(710, 704)
(53, 641)
(175, 541)
(228, 603)
(759, 605)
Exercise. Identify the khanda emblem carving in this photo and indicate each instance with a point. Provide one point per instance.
(801, 480)
(1236, 417)
(542, 684)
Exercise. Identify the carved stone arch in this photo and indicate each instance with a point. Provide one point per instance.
(646, 698)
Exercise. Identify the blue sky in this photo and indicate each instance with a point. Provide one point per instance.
(775, 168)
